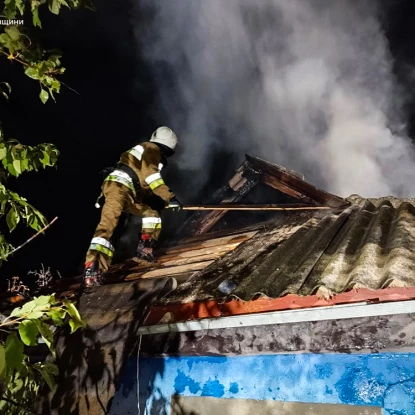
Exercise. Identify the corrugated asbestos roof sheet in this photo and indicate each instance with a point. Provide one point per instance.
(370, 244)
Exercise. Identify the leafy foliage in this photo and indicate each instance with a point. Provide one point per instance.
(16, 159)
(45, 67)
(41, 65)
(16, 44)
(36, 320)
(14, 8)
(28, 326)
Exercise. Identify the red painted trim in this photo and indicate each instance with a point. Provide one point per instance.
(206, 309)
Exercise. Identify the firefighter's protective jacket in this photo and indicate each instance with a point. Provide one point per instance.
(146, 161)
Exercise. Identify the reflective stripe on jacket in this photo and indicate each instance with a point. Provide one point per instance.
(123, 178)
(102, 245)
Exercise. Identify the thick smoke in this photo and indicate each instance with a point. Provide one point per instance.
(306, 84)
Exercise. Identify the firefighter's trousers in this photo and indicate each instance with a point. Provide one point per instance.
(118, 199)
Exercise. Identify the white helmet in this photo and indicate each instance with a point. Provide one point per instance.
(164, 135)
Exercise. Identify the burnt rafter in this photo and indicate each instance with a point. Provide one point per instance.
(293, 184)
(253, 171)
(244, 180)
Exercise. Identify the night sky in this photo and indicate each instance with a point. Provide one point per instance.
(114, 108)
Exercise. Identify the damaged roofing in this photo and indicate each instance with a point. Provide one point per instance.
(369, 244)
(359, 243)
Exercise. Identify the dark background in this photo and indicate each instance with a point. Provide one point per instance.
(114, 108)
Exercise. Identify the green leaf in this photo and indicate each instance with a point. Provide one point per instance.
(20, 6)
(14, 351)
(24, 164)
(46, 334)
(55, 60)
(28, 332)
(34, 223)
(75, 325)
(17, 164)
(3, 153)
(13, 32)
(2, 360)
(36, 20)
(32, 72)
(24, 310)
(43, 300)
(76, 321)
(56, 85)
(51, 368)
(10, 10)
(12, 219)
(46, 159)
(44, 96)
(54, 6)
(11, 170)
(57, 316)
(17, 386)
(35, 314)
(48, 371)
(6, 41)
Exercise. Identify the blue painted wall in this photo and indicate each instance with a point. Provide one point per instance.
(385, 379)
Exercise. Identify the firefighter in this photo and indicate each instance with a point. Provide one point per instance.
(135, 179)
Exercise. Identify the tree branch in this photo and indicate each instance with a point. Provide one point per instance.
(14, 58)
(29, 411)
(33, 237)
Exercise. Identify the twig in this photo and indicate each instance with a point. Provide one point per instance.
(27, 47)
(15, 59)
(67, 86)
(24, 316)
(29, 411)
(33, 237)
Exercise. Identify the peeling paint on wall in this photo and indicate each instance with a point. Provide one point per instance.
(384, 380)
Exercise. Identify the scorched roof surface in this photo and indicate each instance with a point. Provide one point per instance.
(369, 244)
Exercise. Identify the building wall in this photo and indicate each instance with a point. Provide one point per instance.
(373, 382)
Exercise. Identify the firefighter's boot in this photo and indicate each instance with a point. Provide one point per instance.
(92, 275)
(145, 248)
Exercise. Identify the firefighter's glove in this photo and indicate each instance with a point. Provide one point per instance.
(174, 204)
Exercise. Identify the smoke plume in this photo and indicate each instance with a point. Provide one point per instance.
(306, 84)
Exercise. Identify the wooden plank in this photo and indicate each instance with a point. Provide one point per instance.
(191, 249)
(277, 185)
(183, 254)
(192, 259)
(219, 234)
(210, 242)
(171, 271)
(213, 250)
(296, 184)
